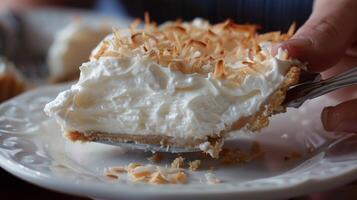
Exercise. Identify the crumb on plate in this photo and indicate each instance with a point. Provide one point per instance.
(156, 158)
(194, 165)
(211, 178)
(178, 162)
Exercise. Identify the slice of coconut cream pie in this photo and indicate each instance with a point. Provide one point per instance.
(179, 85)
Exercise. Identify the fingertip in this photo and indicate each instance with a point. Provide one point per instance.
(303, 49)
(342, 117)
(294, 47)
(283, 45)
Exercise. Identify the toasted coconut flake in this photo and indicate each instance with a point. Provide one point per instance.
(247, 62)
(135, 37)
(178, 28)
(256, 48)
(196, 43)
(271, 36)
(134, 24)
(140, 38)
(118, 41)
(146, 18)
(219, 70)
(177, 42)
(111, 54)
(211, 33)
(102, 48)
(291, 30)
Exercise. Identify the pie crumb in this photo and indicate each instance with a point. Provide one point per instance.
(111, 176)
(232, 156)
(156, 158)
(158, 178)
(118, 169)
(140, 175)
(211, 168)
(293, 155)
(194, 165)
(132, 166)
(152, 174)
(255, 150)
(180, 177)
(211, 178)
(178, 163)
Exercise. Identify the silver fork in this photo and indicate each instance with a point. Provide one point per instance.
(315, 87)
(310, 86)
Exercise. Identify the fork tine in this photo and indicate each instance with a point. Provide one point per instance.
(298, 94)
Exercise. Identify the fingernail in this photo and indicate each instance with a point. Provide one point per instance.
(297, 42)
(325, 118)
(292, 45)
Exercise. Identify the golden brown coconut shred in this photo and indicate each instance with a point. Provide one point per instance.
(190, 49)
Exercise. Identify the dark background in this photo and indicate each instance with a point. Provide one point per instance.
(271, 14)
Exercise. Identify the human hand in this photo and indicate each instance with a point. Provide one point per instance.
(328, 43)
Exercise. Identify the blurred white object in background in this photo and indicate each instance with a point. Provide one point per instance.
(72, 46)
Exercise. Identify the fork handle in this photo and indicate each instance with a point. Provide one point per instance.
(297, 95)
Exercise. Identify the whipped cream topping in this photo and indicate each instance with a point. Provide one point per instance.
(135, 95)
(72, 46)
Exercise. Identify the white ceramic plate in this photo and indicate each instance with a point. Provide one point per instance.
(32, 148)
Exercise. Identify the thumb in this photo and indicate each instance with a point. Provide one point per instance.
(323, 39)
(342, 117)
